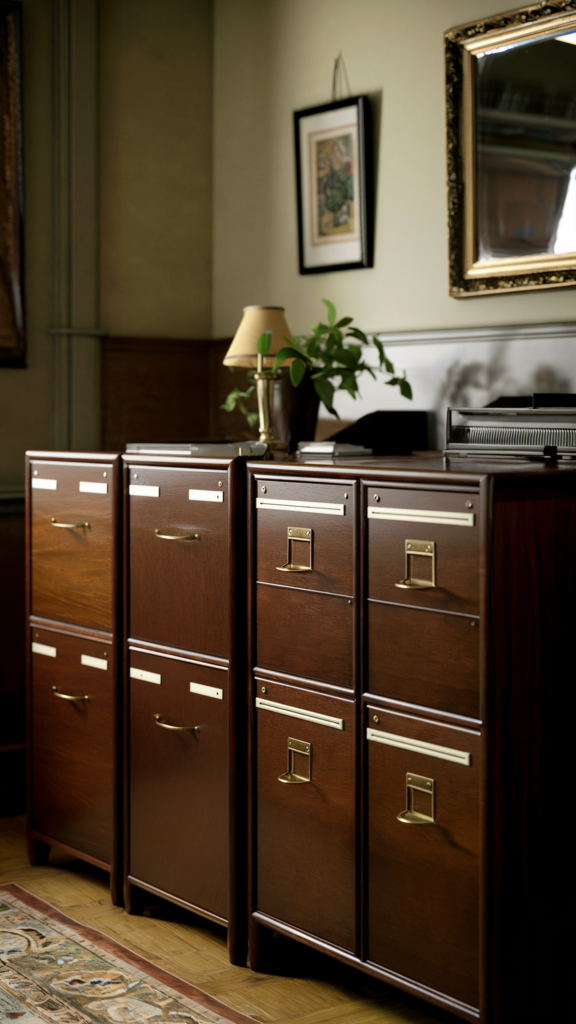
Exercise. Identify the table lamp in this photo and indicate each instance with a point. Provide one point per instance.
(258, 320)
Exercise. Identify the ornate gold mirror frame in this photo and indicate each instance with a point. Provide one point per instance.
(476, 269)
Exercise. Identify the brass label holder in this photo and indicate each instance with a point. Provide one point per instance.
(297, 747)
(418, 784)
(299, 533)
(419, 549)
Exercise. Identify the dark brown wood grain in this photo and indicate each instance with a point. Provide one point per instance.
(425, 658)
(12, 663)
(179, 590)
(168, 389)
(530, 741)
(305, 634)
(423, 880)
(72, 577)
(73, 745)
(80, 600)
(332, 538)
(306, 833)
(178, 784)
(457, 576)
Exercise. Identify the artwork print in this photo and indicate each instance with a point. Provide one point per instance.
(334, 159)
(334, 186)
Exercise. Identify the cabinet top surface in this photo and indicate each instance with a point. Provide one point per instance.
(423, 466)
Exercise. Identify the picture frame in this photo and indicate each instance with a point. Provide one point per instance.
(511, 151)
(333, 147)
(12, 320)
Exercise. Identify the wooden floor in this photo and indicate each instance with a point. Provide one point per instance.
(306, 987)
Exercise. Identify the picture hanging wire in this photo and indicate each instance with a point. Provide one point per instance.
(340, 79)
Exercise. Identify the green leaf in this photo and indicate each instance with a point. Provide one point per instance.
(355, 332)
(284, 353)
(331, 312)
(325, 390)
(252, 418)
(344, 321)
(405, 388)
(263, 343)
(380, 348)
(297, 371)
(350, 188)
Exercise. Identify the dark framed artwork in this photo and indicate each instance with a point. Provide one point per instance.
(334, 186)
(12, 328)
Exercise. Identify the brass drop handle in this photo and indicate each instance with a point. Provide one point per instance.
(70, 526)
(419, 549)
(176, 728)
(302, 534)
(296, 747)
(420, 784)
(180, 536)
(68, 696)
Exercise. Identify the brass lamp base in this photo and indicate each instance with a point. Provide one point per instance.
(264, 389)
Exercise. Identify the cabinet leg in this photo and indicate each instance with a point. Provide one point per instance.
(116, 889)
(237, 944)
(134, 898)
(260, 947)
(38, 852)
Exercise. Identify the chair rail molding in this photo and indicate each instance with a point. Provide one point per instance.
(457, 335)
(75, 222)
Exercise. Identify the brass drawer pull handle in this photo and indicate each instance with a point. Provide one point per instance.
(176, 728)
(420, 784)
(302, 534)
(181, 536)
(297, 747)
(70, 526)
(67, 696)
(418, 549)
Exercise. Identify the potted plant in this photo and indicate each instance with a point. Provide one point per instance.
(329, 359)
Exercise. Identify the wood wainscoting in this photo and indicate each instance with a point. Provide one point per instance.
(166, 389)
(12, 633)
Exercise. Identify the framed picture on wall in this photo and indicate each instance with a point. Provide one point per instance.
(334, 186)
(12, 334)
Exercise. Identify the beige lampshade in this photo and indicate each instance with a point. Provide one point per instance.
(257, 320)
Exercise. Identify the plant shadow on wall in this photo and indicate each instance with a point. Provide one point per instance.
(476, 384)
(328, 360)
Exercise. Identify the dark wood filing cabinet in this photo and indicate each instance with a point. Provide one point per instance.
(73, 657)
(410, 642)
(185, 745)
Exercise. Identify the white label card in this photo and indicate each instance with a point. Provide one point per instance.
(87, 659)
(195, 495)
(42, 484)
(144, 491)
(50, 652)
(207, 691)
(146, 677)
(87, 487)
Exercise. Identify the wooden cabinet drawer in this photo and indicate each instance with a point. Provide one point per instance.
(73, 741)
(178, 779)
(423, 876)
(305, 535)
(305, 830)
(71, 543)
(179, 587)
(416, 535)
(423, 657)
(305, 634)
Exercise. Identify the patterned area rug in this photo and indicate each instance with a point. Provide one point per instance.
(53, 969)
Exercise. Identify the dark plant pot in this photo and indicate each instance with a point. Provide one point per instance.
(295, 410)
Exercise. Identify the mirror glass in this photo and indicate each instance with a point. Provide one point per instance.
(526, 149)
